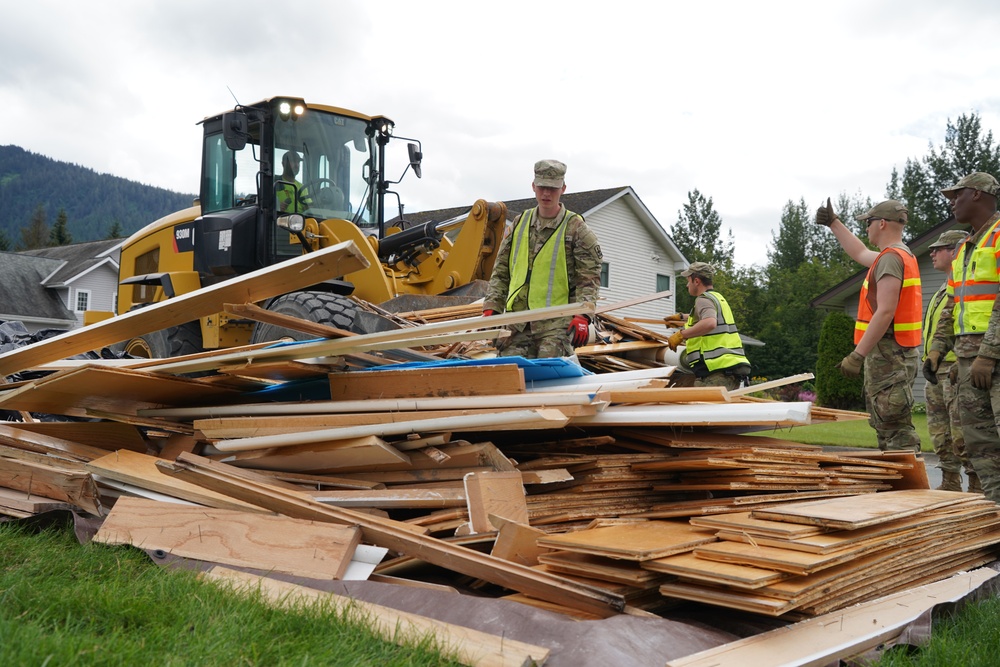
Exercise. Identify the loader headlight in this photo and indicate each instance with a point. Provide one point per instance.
(294, 223)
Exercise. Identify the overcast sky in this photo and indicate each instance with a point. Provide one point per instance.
(752, 103)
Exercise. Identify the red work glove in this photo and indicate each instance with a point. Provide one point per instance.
(579, 330)
(489, 313)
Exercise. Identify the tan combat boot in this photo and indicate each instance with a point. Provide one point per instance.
(951, 481)
(974, 485)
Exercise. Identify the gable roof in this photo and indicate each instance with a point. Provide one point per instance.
(77, 259)
(585, 203)
(22, 295)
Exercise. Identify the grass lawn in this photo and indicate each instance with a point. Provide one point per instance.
(854, 433)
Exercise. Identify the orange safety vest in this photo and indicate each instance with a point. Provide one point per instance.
(909, 312)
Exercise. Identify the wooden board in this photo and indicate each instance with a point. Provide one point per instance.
(393, 498)
(494, 493)
(828, 639)
(244, 539)
(265, 283)
(635, 541)
(671, 395)
(106, 435)
(328, 456)
(76, 391)
(617, 571)
(517, 542)
(20, 504)
(141, 470)
(444, 381)
(689, 566)
(51, 480)
(857, 512)
(471, 647)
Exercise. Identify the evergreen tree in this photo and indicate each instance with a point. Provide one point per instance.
(59, 234)
(698, 235)
(966, 149)
(4, 241)
(36, 233)
(116, 231)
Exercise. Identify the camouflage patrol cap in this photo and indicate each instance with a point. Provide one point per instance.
(699, 269)
(949, 239)
(977, 180)
(890, 209)
(550, 174)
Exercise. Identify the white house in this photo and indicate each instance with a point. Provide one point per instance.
(640, 259)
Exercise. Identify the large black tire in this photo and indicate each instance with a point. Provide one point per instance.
(173, 342)
(321, 307)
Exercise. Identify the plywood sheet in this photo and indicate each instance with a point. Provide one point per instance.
(496, 493)
(298, 547)
(635, 541)
(445, 381)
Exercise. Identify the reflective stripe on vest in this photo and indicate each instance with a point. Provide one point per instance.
(974, 284)
(547, 280)
(906, 319)
(931, 319)
(721, 347)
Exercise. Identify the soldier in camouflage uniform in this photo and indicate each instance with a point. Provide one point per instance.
(887, 331)
(528, 271)
(970, 324)
(713, 349)
(943, 420)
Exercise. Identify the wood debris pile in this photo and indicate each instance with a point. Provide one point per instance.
(588, 494)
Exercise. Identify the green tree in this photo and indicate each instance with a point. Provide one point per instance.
(116, 231)
(36, 233)
(836, 341)
(59, 234)
(966, 149)
(698, 235)
(4, 241)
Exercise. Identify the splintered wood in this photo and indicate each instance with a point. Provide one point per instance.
(583, 493)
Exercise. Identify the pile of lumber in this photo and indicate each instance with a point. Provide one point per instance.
(378, 456)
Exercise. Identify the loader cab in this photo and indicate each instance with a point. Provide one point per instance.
(265, 162)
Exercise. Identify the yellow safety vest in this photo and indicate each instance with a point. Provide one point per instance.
(931, 319)
(975, 283)
(547, 278)
(721, 347)
(285, 194)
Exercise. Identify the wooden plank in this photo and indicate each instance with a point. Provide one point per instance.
(497, 493)
(526, 400)
(473, 328)
(397, 537)
(858, 512)
(20, 503)
(735, 414)
(265, 283)
(690, 566)
(517, 542)
(339, 454)
(53, 481)
(517, 419)
(634, 541)
(140, 470)
(671, 395)
(472, 647)
(244, 539)
(15, 436)
(607, 308)
(444, 381)
(628, 573)
(828, 639)
(105, 435)
(393, 498)
(781, 382)
(125, 391)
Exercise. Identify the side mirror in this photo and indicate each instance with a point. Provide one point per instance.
(415, 157)
(235, 130)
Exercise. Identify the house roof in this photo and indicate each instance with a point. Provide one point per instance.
(22, 295)
(77, 259)
(584, 203)
(835, 297)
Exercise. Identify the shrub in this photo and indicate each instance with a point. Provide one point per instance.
(833, 390)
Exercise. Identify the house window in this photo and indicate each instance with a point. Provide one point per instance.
(662, 283)
(604, 274)
(82, 300)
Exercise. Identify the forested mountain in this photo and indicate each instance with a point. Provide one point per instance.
(93, 202)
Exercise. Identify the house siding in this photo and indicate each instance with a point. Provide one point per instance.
(629, 249)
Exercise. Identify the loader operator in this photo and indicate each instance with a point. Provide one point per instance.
(713, 348)
(292, 196)
(549, 258)
(887, 338)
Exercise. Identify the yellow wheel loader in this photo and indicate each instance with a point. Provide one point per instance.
(283, 177)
